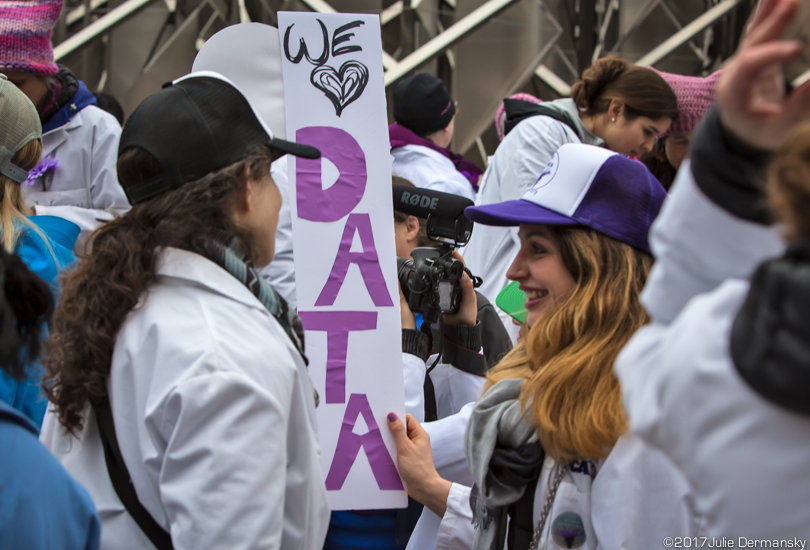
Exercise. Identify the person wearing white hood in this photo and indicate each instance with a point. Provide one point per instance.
(719, 380)
(177, 377)
(420, 138)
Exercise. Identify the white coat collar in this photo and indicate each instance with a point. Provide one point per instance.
(188, 266)
(427, 151)
(57, 136)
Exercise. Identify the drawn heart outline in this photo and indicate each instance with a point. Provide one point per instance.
(342, 86)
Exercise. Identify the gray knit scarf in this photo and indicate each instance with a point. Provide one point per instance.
(504, 455)
(232, 259)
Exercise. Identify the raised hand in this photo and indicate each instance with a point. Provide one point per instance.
(751, 95)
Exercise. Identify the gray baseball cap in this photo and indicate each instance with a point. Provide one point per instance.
(19, 124)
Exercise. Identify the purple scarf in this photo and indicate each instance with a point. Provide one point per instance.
(401, 136)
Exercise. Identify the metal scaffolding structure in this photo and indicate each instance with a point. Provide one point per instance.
(484, 50)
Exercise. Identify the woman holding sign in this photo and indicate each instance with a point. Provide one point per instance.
(178, 379)
(547, 441)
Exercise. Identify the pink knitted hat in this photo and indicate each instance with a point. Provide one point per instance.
(695, 97)
(499, 121)
(25, 35)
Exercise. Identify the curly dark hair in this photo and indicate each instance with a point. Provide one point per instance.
(26, 305)
(107, 284)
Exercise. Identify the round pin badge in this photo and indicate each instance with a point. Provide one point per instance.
(568, 531)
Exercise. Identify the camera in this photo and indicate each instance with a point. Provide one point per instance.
(431, 281)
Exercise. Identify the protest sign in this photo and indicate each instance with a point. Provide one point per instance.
(343, 240)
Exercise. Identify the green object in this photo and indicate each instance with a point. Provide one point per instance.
(511, 299)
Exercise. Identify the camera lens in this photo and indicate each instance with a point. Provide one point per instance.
(404, 268)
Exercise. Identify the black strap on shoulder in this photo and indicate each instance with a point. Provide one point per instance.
(518, 110)
(122, 482)
(521, 519)
(431, 412)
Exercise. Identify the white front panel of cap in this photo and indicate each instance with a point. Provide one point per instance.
(249, 56)
(567, 176)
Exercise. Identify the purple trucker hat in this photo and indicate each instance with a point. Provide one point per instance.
(590, 186)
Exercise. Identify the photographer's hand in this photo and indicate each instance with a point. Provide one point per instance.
(467, 313)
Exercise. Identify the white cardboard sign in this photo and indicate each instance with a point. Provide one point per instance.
(343, 240)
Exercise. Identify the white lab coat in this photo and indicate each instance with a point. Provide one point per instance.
(513, 169)
(427, 168)
(215, 419)
(280, 273)
(453, 388)
(456, 392)
(638, 497)
(745, 456)
(454, 530)
(85, 185)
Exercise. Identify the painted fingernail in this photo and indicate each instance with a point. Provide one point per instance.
(392, 417)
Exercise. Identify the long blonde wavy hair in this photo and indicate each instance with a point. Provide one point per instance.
(13, 210)
(567, 357)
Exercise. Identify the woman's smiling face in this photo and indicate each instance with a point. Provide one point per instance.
(540, 272)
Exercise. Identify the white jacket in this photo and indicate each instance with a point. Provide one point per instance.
(629, 501)
(745, 457)
(85, 185)
(215, 419)
(512, 170)
(454, 389)
(456, 392)
(454, 530)
(427, 168)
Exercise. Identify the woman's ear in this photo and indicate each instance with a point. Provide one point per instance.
(244, 200)
(412, 224)
(615, 109)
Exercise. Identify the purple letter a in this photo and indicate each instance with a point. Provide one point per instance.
(349, 444)
(366, 260)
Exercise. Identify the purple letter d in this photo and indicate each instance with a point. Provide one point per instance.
(315, 203)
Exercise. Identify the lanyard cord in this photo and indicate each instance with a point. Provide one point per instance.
(552, 493)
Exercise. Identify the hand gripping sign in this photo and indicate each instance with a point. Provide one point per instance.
(343, 239)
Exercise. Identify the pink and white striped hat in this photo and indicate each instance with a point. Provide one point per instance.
(26, 27)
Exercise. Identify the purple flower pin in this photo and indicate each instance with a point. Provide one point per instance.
(48, 164)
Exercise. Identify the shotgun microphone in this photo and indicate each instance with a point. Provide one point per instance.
(430, 282)
(444, 212)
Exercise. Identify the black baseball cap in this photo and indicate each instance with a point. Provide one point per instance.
(422, 104)
(196, 125)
